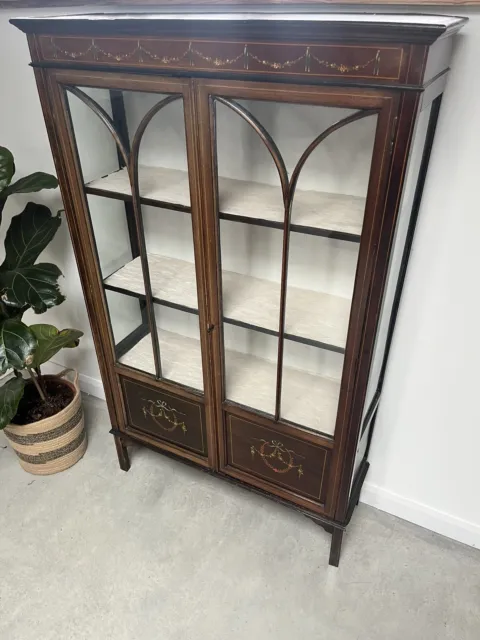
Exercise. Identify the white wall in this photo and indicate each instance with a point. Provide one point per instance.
(425, 452)
(428, 429)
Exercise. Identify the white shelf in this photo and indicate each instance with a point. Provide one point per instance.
(307, 399)
(181, 358)
(155, 183)
(172, 280)
(315, 209)
(318, 316)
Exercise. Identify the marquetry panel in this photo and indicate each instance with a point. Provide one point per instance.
(339, 61)
(282, 460)
(166, 416)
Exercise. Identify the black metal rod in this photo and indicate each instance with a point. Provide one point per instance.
(104, 117)
(371, 410)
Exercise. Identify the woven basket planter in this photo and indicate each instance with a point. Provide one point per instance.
(53, 444)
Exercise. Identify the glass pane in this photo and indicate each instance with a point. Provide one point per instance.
(270, 141)
(130, 331)
(250, 368)
(311, 386)
(152, 126)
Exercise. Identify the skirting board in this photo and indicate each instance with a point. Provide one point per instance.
(373, 495)
(89, 385)
(421, 514)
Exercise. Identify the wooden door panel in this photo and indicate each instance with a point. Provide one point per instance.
(377, 220)
(198, 375)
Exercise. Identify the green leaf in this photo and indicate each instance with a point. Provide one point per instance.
(10, 395)
(7, 169)
(28, 235)
(34, 182)
(50, 340)
(35, 286)
(17, 345)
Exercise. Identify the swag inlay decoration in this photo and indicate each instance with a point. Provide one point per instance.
(192, 52)
(277, 457)
(158, 409)
(234, 187)
(383, 62)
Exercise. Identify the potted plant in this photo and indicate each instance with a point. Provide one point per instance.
(41, 415)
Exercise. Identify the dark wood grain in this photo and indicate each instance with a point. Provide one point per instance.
(122, 451)
(336, 548)
(311, 472)
(281, 460)
(166, 416)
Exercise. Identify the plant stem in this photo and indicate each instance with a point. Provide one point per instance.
(2, 204)
(35, 382)
(41, 380)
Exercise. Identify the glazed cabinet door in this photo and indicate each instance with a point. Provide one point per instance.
(295, 181)
(132, 165)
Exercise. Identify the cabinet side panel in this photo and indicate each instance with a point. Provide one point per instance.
(408, 214)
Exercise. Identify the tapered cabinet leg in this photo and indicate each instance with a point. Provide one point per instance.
(336, 547)
(122, 453)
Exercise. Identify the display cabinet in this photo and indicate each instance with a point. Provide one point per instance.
(242, 192)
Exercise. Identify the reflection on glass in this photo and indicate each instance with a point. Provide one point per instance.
(114, 249)
(129, 327)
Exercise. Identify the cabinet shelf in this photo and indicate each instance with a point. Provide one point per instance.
(181, 358)
(314, 212)
(307, 399)
(317, 319)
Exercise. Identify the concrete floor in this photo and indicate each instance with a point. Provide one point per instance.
(166, 552)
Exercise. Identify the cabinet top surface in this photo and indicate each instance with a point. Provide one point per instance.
(338, 18)
(423, 28)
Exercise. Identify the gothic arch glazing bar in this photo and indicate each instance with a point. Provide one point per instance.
(264, 136)
(103, 115)
(359, 115)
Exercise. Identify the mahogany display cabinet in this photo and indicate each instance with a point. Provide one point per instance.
(242, 193)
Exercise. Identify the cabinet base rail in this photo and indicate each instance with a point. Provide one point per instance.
(336, 529)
